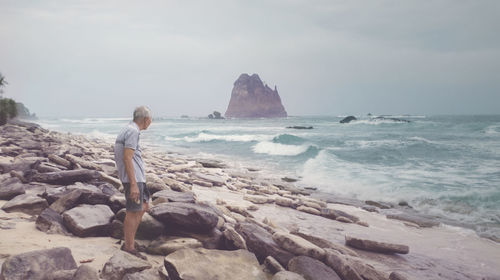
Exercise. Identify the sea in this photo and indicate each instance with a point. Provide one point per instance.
(443, 166)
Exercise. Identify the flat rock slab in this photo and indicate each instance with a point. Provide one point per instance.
(215, 180)
(122, 263)
(375, 246)
(258, 199)
(207, 163)
(312, 269)
(334, 214)
(348, 267)
(298, 245)
(173, 196)
(26, 203)
(88, 220)
(204, 264)
(190, 216)
(260, 242)
(167, 246)
(36, 264)
(422, 222)
(66, 177)
(288, 275)
(148, 274)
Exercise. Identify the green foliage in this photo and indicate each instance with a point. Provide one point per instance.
(8, 110)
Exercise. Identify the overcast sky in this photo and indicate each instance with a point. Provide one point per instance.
(102, 58)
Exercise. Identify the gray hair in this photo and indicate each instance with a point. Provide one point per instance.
(142, 112)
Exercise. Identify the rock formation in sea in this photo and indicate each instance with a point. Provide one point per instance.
(251, 98)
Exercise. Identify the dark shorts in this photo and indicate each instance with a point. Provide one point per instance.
(143, 194)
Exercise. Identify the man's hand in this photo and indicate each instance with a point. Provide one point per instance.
(134, 192)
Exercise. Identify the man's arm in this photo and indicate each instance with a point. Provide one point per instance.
(128, 154)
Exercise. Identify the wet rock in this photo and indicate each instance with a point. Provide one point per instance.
(204, 264)
(298, 245)
(234, 239)
(89, 220)
(148, 274)
(35, 264)
(66, 177)
(11, 188)
(50, 221)
(122, 263)
(323, 243)
(173, 196)
(420, 221)
(287, 275)
(272, 265)
(86, 272)
(370, 208)
(186, 215)
(149, 228)
(334, 214)
(260, 242)
(26, 203)
(208, 163)
(378, 204)
(312, 269)
(165, 246)
(375, 246)
(348, 119)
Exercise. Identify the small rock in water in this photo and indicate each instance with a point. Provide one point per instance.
(375, 246)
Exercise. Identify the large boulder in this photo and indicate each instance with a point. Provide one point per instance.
(148, 274)
(155, 183)
(85, 272)
(312, 269)
(26, 203)
(66, 177)
(35, 265)
(11, 188)
(50, 221)
(348, 119)
(173, 196)
(189, 216)
(122, 263)
(89, 220)
(204, 264)
(165, 246)
(375, 246)
(149, 228)
(287, 275)
(250, 98)
(260, 242)
(298, 245)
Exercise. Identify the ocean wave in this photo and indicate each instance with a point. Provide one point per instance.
(277, 149)
(492, 130)
(95, 134)
(374, 122)
(288, 139)
(93, 120)
(205, 137)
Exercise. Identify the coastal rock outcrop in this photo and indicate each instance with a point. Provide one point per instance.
(312, 269)
(89, 220)
(122, 263)
(186, 215)
(375, 246)
(251, 98)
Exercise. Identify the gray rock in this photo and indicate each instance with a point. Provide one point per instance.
(83, 163)
(116, 229)
(258, 199)
(272, 265)
(59, 160)
(149, 228)
(67, 201)
(260, 242)
(380, 205)
(334, 214)
(421, 221)
(397, 276)
(186, 215)
(34, 265)
(288, 275)
(311, 269)
(309, 210)
(89, 220)
(122, 263)
(215, 180)
(348, 267)
(50, 221)
(348, 119)
(375, 246)
(155, 183)
(173, 196)
(86, 272)
(49, 167)
(148, 274)
(298, 245)
(11, 188)
(26, 203)
(204, 264)
(234, 239)
(66, 177)
(165, 246)
(323, 243)
(286, 202)
(208, 163)
(60, 275)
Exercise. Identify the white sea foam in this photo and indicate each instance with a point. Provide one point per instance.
(277, 149)
(205, 137)
(493, 130)
(100, 135)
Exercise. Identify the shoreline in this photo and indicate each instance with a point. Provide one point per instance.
(460, 254)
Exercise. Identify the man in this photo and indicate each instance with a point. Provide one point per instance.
(131, 172)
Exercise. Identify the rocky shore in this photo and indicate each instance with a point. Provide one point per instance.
(62, 209)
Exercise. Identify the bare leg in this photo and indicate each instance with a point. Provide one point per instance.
(130, 225)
